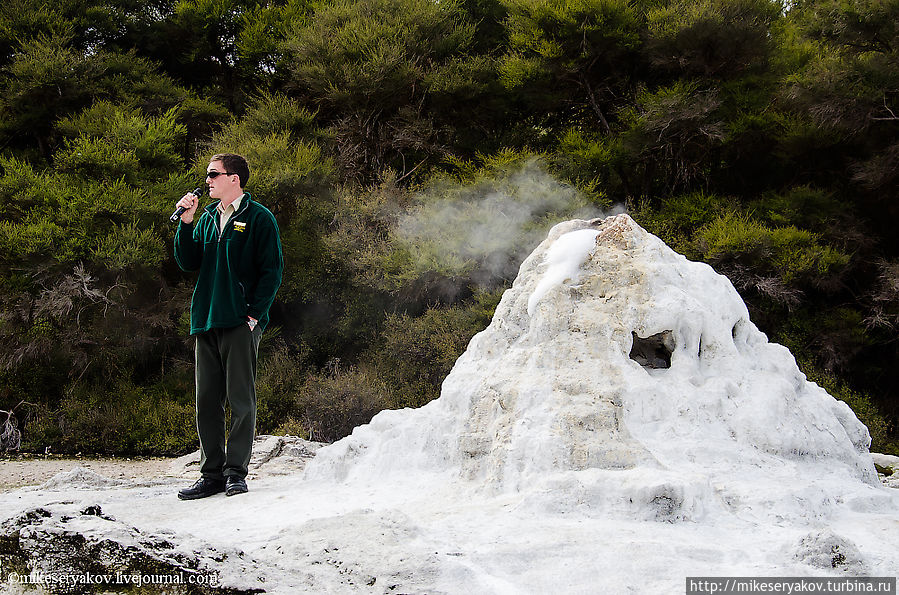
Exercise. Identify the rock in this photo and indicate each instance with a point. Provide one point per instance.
(828, 551)
(888, 469)
(890, 462)
(79, 478)
(78, 540)
(272, 455)
(66, 549)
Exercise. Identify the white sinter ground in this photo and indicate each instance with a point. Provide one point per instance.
(620, 425)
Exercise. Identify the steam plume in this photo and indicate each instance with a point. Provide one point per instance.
(485, 230)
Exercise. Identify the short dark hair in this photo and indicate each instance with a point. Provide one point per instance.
(235, 164)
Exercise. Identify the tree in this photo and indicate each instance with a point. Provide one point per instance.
(365, 64)
(48, 79)
(851, 85)
(721, 39)
(575, 55)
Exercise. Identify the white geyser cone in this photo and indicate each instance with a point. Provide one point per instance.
(618, 377)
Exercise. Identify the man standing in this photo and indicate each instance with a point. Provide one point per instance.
(235, 245)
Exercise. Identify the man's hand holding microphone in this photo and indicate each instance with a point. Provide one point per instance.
(187, 206)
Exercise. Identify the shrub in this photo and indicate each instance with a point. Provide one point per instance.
(278, 139)
(791, 255)
(803, 206)
(681, 216)
(371, 54)
(329, 405)
(673, 136)
(124, 419)
(366, 64)
(119, 142)
(130, 246)
(279, 379)
(417, 353)
(723, 38)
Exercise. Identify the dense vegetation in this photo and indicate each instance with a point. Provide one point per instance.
(413, 151)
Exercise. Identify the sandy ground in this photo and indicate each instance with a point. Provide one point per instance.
(17, 471)
(25, 470)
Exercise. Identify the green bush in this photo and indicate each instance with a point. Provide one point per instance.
(48, 79)
(681, 217)
(124, 419)
(366, 64)
(329, 405)
(723, 38)
(116, 142)
(279, 380)
(672, 138)
(570, 56)
(332, 407)
(370, 54)
(591, 163)
(323, 406)
(417, 353)
(130, 246)
(792, 254)
(802, 206)
(97, 157)
(29, 238)
(278, 138)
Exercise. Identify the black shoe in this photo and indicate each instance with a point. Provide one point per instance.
(202, 488)
(235, 485)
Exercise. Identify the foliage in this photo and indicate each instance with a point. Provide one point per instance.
(673, 135)
(324, 405)
(120, 419)
(778, 262)
(571, 59)
(365, 64)
(328, 406)
(417, 353)
(711, 38)
(279, 377)
(367, 56)
(278, 137)
(584, 48)
(48, 78)
(680, 217)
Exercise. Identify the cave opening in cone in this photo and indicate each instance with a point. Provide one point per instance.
(653, 351)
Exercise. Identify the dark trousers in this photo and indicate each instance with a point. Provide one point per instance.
(226, 371)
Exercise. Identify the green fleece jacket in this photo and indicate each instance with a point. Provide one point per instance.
(240, 268)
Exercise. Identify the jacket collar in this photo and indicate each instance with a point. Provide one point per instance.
(245, 201)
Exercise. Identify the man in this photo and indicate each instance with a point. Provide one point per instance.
(235, 245)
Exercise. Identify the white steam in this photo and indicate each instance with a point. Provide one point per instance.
(487, 229)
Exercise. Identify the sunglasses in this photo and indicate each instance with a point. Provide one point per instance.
(214, 174)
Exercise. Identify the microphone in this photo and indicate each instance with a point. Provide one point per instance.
(198, 192)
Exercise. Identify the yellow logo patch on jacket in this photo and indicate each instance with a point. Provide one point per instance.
(240, 226)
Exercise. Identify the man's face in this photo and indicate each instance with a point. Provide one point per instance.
(222, 184)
